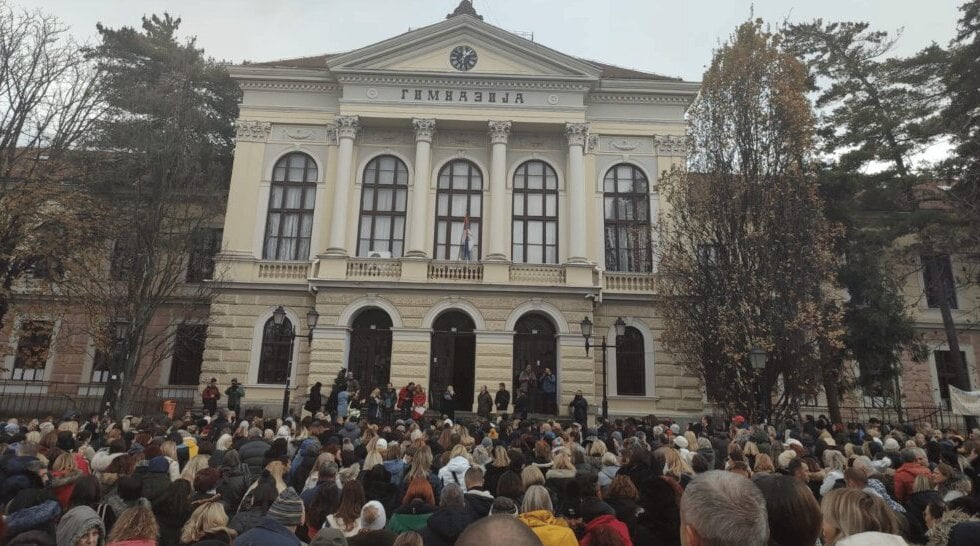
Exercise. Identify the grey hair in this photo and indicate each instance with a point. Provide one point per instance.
(451, 496)
(908, 455)
(255, 432)
(725, 509)
(537, 498)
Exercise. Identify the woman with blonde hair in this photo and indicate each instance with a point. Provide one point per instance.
(531, 475)
(207, 522)
(64, 476)
(496, 468)
(852, 517)
(834, 463)
(195, 465)
(136, 526)
(169, 450)
(763, 464)
(594, 457)
(675, 466)
(537, 512)
(561, 466)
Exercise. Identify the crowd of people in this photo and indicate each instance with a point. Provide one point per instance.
(324, 479)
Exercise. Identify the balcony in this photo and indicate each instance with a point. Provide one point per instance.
(425, 271)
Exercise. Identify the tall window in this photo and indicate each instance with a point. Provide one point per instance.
(383, 197)
(946, 374)
(535, 221)
(630, 364)
(459, 203)
(185, 366)
(205, 245)
(627, 210)
(276, 351)
(33, 347)
(939, 282)
(289, 225)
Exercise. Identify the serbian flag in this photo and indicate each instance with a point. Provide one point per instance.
(464, 251)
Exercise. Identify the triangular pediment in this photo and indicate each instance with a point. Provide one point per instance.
(499, 53)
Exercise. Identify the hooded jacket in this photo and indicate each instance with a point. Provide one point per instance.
(268, 532)
(444, 526)
(62, 484)
(607, 521)
(455, 472)
(478, 502)
(33, 517)
(904, 478)
(550, 530)
(411, 517)
(78, 521)
(253, 453)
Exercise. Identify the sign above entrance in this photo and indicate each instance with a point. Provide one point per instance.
(464, 95)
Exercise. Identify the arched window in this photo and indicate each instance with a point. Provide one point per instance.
(383, 197)
(289, 224)
(277, 349)
(369, 357)
(630, 363)
(535, 220)
(627, 210)
(459, 206)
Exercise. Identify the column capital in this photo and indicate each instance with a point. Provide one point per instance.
(424, 129)
(499, 131)
(348, 126)
(576, 133)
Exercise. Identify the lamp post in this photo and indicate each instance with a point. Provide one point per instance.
(119, 353)
(758, 357)
(586, 326)
(278, 319)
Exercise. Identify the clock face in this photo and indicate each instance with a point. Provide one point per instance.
(463, 58)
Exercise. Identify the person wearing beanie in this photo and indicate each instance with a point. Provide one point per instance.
(328, 536)
(598, 515)
(278, 527)
(373, 532)
(32, 510)
(81, 526)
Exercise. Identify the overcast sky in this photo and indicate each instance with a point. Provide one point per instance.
(669, 37)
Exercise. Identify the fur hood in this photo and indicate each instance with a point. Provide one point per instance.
(68, 478)
(939, 535)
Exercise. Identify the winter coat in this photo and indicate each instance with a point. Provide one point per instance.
(915, 513)
(78, 521)
(245, 520)
(905, 478)
(154, 484)
(340, 525)
(626, 510)
(871, 538)
(455, 472)
(411, 517)
(315, 402)
(268, 532)
(40, 516)
(232, 488)
(381, 537)
(492, 476)
(964, 534)
(502, 400)
(580, 409)
(548, 384)
(62, 484)
(609, 522)
(550, 530)
(478, 503)
(302, 463)
(606, 475)
(484, 405)
(940, 533)
(395, 467)
(343, 402)
(444, 526)
(253, 453)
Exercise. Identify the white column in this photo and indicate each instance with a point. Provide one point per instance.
(347, 127)
(576, 133)
(417, 216)
(499, 213)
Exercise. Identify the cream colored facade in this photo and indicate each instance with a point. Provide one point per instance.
(402, 97)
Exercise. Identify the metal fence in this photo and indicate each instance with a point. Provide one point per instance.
(938, 416)
(50, 398)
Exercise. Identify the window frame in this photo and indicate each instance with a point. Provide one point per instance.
(639, 354)
(205, 245)
(611, 255)
(199, 335)
(279, 346)
(305, 211)
(394, 214)
(524, 193)
(446, 249)
(948, 281)
(46, 333)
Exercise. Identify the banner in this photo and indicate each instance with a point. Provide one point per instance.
(964, 402)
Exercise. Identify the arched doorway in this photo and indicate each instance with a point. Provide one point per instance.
(453, 359)
(370, 349)
(535, 345)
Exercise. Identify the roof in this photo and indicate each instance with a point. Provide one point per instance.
(609, 71)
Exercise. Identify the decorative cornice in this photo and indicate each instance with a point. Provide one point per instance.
(425, 128)
(251, 130)
(618, 98)
(440, 80)
(499, 131)
(576, 133)
(348, 126)
(273, 85)
(675, 145)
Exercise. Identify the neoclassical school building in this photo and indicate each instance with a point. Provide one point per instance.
(452, 203)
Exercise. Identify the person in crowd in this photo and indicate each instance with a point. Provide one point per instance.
(914, 463)
(498, 530)
(793, 513)
(601, 524)
(314, 403)
(537, 512)
(852, 517)
(207, 522)
(389, 403)
(501, 400)
(723, 508)
(255, 507)
(417, 506)
(235, 394)
(373, 531)
(549, 389)
(478, 500)
(347, 518)
(579, 407)
(447, 522)
(484, 403)
(137, 526)
(278, 527)
(81, 526)
(210, 396)
(923, 494)
(449, 403)
(608, 470)
(173, 509)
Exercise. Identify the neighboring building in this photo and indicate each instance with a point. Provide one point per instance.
(452, 202)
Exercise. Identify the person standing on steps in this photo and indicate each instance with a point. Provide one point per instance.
(484, 403)
(449, 403)
(315, 401)
(549, 386)
(502, 399)
(389, 398)
(580, 408)
(210, 397)
(235, 393)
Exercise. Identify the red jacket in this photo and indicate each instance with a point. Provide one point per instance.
(905, 478)
(608, 523)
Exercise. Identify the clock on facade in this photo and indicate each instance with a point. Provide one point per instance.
(463, 58)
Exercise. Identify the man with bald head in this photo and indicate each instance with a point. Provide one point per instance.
(502, 530)
(721, 508)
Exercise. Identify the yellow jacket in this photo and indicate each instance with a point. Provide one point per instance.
(549, 529)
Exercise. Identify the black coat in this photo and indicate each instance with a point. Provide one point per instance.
(484, 405)
(502, 400)
(445, 525)
(915, 512)
(315, 401)
(253, 453)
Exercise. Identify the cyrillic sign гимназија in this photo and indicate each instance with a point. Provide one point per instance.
(448, 95)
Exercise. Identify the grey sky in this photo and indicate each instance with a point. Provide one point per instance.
(670, 37)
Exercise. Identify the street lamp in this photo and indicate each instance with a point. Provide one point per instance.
(758, 357)
(118, 354)
(278, 320)
(587, 327)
